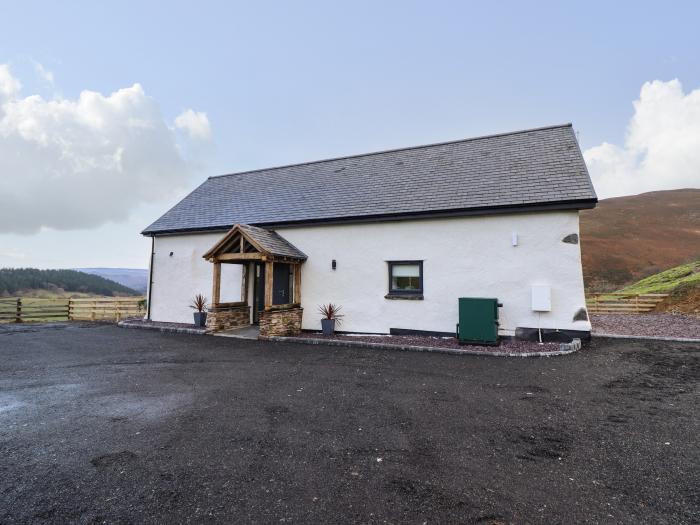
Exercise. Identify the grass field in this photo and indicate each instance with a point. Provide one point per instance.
(37, 309)
(665, 282)
(682, 283)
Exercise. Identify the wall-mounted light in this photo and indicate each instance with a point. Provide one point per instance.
(514, 238)
(333, 264)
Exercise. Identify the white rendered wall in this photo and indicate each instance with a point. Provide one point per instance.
(178, 278)
(463, 257)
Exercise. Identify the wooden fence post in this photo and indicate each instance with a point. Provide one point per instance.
(18, 314)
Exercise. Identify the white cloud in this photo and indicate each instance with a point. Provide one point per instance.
(9, 85)
(44, 74)
(661, 149)
(195, 123)
(76, 164)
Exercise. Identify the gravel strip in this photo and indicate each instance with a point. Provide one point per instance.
(651, 325)
(509, 347)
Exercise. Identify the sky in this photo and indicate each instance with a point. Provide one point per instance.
(110, 112)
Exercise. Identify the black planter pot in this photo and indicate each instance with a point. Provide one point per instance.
(328, 326)
(200, 318)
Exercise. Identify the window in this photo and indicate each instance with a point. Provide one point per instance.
(405, 279)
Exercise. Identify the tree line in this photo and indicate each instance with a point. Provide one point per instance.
(14, 280)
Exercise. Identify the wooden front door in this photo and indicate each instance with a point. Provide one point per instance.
(281, 287)
(280, 284)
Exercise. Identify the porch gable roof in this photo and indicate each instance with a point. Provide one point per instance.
(265, 242)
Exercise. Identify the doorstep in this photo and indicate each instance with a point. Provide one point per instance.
(246, 332)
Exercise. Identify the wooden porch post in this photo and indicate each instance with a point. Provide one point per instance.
(268, 284)
(245, 280)
(297, 283)
(216, 284)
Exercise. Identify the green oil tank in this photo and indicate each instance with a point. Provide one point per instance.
(478, 320)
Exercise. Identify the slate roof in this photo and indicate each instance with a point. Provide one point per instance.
(272, 242)
(540, 167)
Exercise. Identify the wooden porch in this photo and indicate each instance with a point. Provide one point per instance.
(271, 268)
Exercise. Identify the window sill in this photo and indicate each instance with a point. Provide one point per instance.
(405, 296)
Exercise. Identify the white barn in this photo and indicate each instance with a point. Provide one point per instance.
(395, 237)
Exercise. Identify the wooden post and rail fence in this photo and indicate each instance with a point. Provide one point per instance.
(18, 309)
(623, 303)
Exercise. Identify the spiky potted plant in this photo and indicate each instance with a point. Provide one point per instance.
(199, 304)
(330, 317)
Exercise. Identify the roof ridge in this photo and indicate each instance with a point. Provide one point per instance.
(392, 150)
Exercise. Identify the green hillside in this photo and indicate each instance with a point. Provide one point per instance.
(685, 276)
(18, 281)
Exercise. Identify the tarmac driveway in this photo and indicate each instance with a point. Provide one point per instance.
(101, 424)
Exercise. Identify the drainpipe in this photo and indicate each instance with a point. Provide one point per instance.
(150, 278)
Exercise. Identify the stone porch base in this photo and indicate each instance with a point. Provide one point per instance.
(227, 317)
(281, 323)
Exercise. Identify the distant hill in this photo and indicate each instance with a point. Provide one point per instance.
(135, 278)
(625, 239)
(16, 281)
